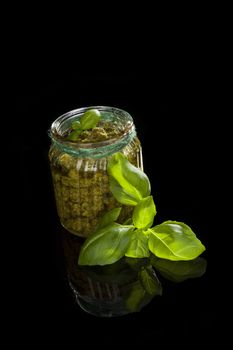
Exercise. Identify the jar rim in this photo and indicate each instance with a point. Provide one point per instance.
(93, 149)
(56, 132)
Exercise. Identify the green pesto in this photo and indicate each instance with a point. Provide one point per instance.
(81, 185)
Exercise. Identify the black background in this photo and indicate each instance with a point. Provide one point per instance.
(171, 106)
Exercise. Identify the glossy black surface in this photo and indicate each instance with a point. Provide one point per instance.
(178, 158)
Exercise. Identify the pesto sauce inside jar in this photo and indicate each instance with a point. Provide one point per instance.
(81, 184)
(105, 130)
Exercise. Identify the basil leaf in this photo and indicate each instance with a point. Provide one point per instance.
(74, 135)
(76, 125)
(106, 245)
(178, 271)
(174, 241)
(138, 245)
(90, 119)
(150, 281)
(133, 181)
(144, 212)
(109, 217)
(120, 194)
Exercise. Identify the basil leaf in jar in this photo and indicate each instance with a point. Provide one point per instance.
(76, 125)
(90, 119)
(106, 245)
(74, 135)
(175, 241)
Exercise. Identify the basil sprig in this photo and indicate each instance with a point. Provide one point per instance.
(128, 184)
(171, 240)
(88, 121)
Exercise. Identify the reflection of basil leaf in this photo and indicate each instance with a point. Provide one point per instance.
(150, 281)
(133, 181)
(136, 296)
(143, 290)
(178, 271)
(90, 119)
(174, 241)
(109, 217)
(106, 245)
(138, 246)
(144, 212)
(136, 264)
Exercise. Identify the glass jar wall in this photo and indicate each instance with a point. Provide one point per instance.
(79, 169)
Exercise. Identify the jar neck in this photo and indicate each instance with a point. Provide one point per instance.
(96, 149)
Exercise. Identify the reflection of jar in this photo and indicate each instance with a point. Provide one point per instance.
(80, 178)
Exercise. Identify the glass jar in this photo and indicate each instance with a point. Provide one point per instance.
(79, 169)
